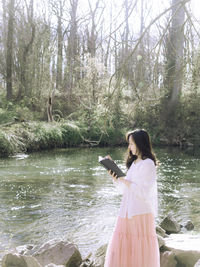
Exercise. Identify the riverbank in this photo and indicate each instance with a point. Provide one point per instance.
(60, 193)
(178, 249)
(38, 136)
(26, 137)
(57, 253)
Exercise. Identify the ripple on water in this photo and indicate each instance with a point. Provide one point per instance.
(68, 194)
(21, 156)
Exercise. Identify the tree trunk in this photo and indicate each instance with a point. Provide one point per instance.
(71, 51)
(174, 57)
(24, 89)
(60, 50)
(140, 75)
(92, 35)
(9, 54)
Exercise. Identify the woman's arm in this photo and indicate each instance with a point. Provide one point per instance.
(118, 182)
(145, 180)
(142, 186)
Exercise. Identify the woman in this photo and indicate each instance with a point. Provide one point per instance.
(134, 242)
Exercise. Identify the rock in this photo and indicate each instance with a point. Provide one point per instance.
(186, 248)
(170, 225)
(87, 262)
(53, 265)
(186, 258)
(164, 140)
(160, 231)
(161, 241)
(15, 260)
(99, 257)
(197, 264)
(58, 252)
(167, 259)
(189, 226)
(189, 144)
(24, 250)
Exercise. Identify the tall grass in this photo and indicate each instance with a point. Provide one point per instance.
(36, 136)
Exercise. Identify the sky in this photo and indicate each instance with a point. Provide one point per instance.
(152, 9)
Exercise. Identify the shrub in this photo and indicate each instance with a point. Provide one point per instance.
(45, 136)
(7, 145)
(71, 135)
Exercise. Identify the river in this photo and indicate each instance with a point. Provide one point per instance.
(66, 194)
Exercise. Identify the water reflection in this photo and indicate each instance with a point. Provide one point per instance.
(67, 194)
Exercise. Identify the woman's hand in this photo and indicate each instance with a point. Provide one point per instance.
(121, 179)
(108, 157)
(114, 175)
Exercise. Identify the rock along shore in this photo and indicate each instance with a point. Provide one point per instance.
(176, 250)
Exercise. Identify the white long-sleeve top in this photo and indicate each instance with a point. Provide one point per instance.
(140, 196)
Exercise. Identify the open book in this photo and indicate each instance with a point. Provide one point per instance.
(111, 165)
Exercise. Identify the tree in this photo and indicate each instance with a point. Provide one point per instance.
(174, 57)
(9, 50)
(25, 47)
(59, 67)
(72, 49)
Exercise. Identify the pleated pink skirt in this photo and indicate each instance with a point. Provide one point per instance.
(133, 243)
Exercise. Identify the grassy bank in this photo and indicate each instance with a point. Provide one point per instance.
(36, 136)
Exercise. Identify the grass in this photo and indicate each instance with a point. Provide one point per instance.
(36, 136)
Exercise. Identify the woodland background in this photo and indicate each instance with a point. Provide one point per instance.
(84, 72)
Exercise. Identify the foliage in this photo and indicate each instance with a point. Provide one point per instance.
(10, 112)
(71, 135)
(190, 117)
(183, 127)
(6, 145)
(35, 136)
(100, 84)
(45, 136)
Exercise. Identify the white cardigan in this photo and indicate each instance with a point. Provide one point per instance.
(141, 196)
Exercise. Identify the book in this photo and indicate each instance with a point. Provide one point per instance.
(111, 165)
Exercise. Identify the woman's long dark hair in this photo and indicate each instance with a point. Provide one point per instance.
(143, 144)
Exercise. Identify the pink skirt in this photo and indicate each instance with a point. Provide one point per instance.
(134, 243)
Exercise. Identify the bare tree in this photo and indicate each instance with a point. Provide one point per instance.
(59, 67)
(26, 46)
(92, 34)
(174, 55)
(9, 50)
(72, 49)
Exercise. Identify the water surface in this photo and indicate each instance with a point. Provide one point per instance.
(67, 194)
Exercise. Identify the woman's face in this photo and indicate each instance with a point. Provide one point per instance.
(132, 146)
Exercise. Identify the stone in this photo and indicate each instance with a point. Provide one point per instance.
(53, 265)
(170, 225)
(189, 144)
(186, 248)
(99, 257)
(161, 241)
(197, 264)
(24, 250)
(86, 262)
(160, 231)
(186, 258)
(189, 226)
(16, 260)
(58, 252)
(167, 259)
